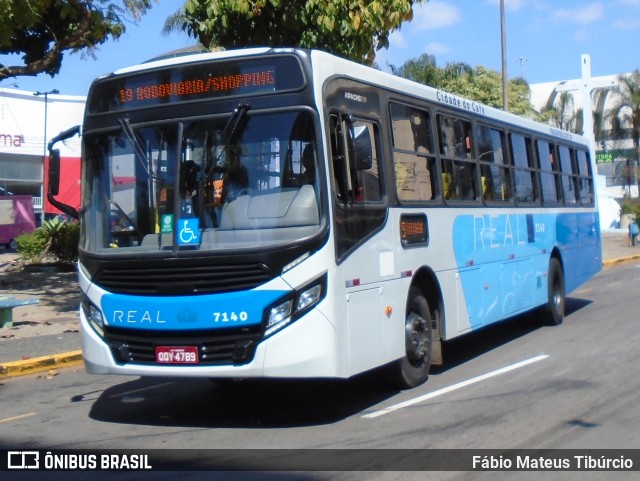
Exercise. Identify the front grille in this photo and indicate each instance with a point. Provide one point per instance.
(181, 279)
(215, 348)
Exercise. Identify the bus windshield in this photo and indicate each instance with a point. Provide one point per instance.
(216, 183)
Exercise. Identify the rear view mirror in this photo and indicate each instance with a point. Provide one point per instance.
(54, 172)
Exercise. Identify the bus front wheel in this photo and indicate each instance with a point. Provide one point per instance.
(556, 300)
(413, 369)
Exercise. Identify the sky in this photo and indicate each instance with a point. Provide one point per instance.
(545, 40)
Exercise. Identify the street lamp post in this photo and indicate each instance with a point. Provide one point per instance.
(44, 150)
(503, 42)
(522, 60)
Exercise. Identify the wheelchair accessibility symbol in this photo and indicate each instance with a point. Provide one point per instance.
(189, 231)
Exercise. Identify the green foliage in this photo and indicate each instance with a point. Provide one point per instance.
(479, 83)
(31, 245)
(561, 113)
(422, 70)
(353, 29)
(625, 113)
(630, 205)
(55, 240)
(62, 239)
(41, 31)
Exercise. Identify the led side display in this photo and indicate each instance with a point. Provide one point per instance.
(226, 83)
(414, 230)
(196, 81)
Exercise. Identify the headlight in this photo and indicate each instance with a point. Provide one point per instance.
(294, 305)
(309, 297)
(279, 316)
(94, 316)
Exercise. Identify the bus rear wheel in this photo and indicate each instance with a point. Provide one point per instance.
(556, 300)
(413, 369)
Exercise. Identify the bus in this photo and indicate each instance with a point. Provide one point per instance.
(285, 213)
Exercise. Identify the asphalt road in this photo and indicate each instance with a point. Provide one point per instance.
(515, 385)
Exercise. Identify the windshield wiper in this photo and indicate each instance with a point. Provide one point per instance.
(139, 151)
(232, 130)
(230, 134)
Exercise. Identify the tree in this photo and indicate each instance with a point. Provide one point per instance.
(625, 111)
(562, 113)
(480, 84)
(422, 70)
(353, 29)
(519, 94)
(41, 31)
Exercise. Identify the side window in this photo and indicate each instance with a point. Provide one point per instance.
(355, 160)
(455, 136)
(360, 208)
(458, 165)
(586, 177)
(365, 163)
(546, 160)
(413, 159)
(569, 178)
(411, 128)
(494, 167)
(524, 169)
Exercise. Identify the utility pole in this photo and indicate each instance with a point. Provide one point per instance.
(503, 39)
(44, 152)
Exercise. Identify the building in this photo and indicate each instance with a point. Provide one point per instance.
(27, 121)
(615, 157)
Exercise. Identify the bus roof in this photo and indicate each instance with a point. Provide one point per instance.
(327, 65)
(193, 58)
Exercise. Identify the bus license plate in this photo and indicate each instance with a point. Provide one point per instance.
(176, 355)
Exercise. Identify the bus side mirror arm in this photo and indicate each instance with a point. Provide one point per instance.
(64, 135)
(347, 140)
(53, 185)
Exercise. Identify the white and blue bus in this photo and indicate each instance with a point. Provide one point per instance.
(286, 213)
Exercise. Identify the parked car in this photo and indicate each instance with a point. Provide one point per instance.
(16, 217)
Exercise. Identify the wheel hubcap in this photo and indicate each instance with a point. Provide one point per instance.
(416, 337)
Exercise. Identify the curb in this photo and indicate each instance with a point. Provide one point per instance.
(620, 260)
(39, 364)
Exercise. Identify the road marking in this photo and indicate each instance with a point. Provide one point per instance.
(15, 418)
(583, 291)
(455, 387)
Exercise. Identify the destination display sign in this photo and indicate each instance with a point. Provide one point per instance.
(413, 230)
(197, 81)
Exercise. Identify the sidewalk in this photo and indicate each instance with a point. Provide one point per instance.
(46, 336)
(616, 249)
